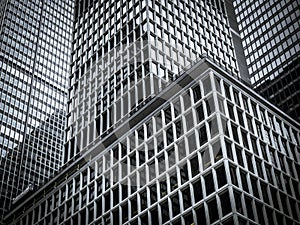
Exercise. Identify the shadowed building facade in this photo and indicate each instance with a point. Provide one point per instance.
(270, 32)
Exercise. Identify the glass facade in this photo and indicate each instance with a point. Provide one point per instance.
(215, 153)
(124, 47)
(270, 32)
(34, 65)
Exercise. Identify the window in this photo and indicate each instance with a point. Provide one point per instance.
(221, 176)
(199, 113)
(194, 166)
(205, 155)
(153, 193)
(186, 98)
(230, 111)
(98, 205)
(161, 163)
(132, 161)
(213, 127)
(70, 188)
(235, 133)
(171, 157)
(115, 196)
(124, 212)
(249, 122)
(245, 104)
(272, 157)
(181, 149)
(238, 202)
(143, 199)
(244, 181)
(229, 150)
(274, 197)
(225, 203)
(91, 192)
(269, 213)
(239, 156)
(217, 151)
(254, 109)
(249, 162)
(217, 84)
(269, 173)
(236, 97)
(179, 128)
(213, 210)
(227, 91)
(254, 146)
(197, 186)
(196, 93)
(158, 120)
(184, 173)
(90, 214)
(175, 204)
(150, 146)
(201, 215)
(84, 178)
(263, 118)
(159, 142)
(134, 206)
(149, 129)
(259, 208)
(233, 175)
(192, 142)
(202, 135)
(170, 137)
(173, 182)
(140, 133)
(209, 183)
(264, 191)
(177, 108)
(240, 117)
(141, 156)
(186, 196)
(163, 188)
(245, 140)
(168, 116)
(189, 121)
(154, 215)
(206, 85)
(115, 216)
(210, 105)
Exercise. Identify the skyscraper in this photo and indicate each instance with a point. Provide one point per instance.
(270, 32)
(34, 60)
(125, 47)
(160, 129)
(205, 150)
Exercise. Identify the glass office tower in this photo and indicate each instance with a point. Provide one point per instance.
(123, 47)
(161, 131)
(270, 32)
(34, 61)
